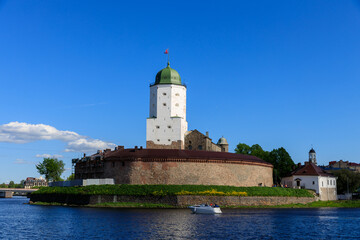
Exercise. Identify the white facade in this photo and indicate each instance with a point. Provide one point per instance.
(325, 186)
(167, 120)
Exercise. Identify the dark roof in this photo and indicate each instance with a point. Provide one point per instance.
(312, 150)
(182, 154)
(310, 169)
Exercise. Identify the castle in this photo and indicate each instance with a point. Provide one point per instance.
(166, 127)
(174, 155)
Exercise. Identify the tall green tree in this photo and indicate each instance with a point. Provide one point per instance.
(52, 168)
(345, 179)
(279, 158)
(282, 162)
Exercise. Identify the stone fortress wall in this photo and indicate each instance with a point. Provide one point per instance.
(155, 166)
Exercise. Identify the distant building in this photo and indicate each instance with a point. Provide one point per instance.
(337, 165)
(310, 176)
(195, 140)
(34, 182)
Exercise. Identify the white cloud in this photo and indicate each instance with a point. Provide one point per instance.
(87, 145)
(45, 155)
(22, 161)
(16, 132)
(19, 132)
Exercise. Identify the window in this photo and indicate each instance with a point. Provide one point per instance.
(190, 147)
(157, 126)
(169, 126)
(200, 147)
(164, 104)
(164, 94)
(169, 140)
(328, 182)
(176, 104)
(123, 163)
(313, 182)
(113, 164)
(158, 140)
(322, 183)
(177, 94)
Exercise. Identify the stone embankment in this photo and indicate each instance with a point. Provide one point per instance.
(177, 201)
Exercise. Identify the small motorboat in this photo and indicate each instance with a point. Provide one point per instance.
(205, 209)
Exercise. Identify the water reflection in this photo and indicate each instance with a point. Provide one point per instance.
(19, 221)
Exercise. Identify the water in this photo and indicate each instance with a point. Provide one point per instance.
(22, 221)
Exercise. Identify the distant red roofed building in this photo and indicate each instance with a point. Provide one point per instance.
(310, 176)
(31, 182)
(344, 165)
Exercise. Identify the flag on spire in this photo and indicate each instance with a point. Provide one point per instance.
(166, 51)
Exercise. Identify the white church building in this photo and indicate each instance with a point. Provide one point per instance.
(310, 176)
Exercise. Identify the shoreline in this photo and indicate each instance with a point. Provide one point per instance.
(133, 205)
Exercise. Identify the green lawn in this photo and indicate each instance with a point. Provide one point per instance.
(173, 190)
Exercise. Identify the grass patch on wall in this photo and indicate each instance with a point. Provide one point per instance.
(173, 190)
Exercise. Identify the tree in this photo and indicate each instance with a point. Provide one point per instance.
(279, 158)
(282, 162)
(71, 177)
(11, 184)
(52, 168)
(243, 148)
(347, 178)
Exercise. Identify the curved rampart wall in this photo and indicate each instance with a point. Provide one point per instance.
(192, 173)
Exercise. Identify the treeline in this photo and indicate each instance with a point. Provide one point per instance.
(347, 181)
(279, 158)
(13, 185)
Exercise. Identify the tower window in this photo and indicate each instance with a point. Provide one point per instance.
(177, 104)
(200, 147)
(169, 140)
(190, 147)
(158, 140)
(164, 94)
(157, 126)
(169, 126)
(177, 94)
(164, 104)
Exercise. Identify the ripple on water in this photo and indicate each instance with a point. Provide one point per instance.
(21, 221)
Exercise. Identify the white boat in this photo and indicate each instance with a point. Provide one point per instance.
(205, 209)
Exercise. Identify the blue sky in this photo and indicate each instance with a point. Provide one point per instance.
(75, 75)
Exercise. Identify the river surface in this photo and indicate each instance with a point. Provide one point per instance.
(22, 221)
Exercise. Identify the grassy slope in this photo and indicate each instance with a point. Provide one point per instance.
(171, 190)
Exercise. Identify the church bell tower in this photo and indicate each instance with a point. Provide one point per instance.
(166, 124)
(312, 156)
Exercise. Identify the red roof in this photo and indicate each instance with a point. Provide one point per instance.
(182, 154)
(310, 169)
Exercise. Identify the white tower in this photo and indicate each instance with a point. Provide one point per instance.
(166, 125)
(312, 156)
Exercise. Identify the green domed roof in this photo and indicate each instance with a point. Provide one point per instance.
(168, 76)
